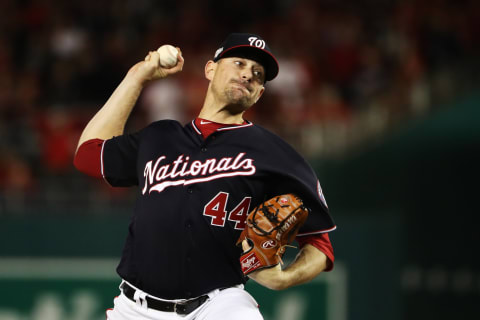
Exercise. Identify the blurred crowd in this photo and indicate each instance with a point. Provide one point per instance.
(349, 72)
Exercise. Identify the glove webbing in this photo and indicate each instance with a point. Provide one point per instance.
(270, 216)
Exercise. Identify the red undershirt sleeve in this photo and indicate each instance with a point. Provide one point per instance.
(88, 158)
(322, 242)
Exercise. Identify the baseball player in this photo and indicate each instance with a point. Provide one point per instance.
(196, 184)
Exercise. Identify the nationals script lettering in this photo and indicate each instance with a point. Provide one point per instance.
(182, 171)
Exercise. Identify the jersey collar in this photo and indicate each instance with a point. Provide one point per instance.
(217, 126)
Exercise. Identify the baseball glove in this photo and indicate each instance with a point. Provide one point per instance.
(271, 227)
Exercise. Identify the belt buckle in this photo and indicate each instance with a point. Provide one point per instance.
(182, 308)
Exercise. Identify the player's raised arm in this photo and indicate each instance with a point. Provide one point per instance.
(111, 118)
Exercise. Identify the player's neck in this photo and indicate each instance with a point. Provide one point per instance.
(218, 112)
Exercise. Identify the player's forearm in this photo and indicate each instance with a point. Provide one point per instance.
(308, 264)
(111, 118)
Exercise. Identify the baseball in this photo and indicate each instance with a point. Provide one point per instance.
(168, 56)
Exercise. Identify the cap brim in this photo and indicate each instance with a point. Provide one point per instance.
(262, 56)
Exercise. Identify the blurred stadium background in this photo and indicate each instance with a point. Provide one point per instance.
(380, 95)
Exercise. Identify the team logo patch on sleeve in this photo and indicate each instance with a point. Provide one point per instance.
(320, 194)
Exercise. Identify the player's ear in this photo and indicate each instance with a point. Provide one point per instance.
(210, 68)
(260, 93)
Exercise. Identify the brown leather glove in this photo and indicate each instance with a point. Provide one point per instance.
(271, 227)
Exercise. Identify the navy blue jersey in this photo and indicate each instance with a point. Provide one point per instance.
(193, 197)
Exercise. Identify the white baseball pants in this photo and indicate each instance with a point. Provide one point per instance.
(229, 304)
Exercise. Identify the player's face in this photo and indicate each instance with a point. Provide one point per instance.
(238, 81)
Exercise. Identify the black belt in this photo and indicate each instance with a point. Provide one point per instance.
(180, 308)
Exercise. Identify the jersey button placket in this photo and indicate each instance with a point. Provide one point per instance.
(204, 149)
